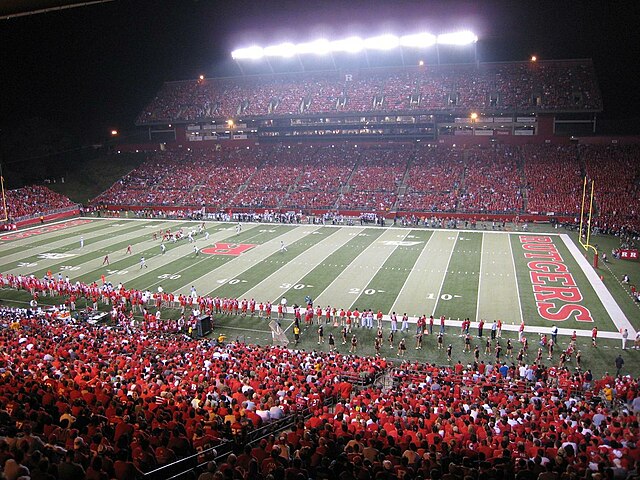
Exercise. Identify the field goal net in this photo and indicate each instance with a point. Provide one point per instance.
(277, 334)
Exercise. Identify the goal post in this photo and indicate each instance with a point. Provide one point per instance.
(4, 215)
(587, 203)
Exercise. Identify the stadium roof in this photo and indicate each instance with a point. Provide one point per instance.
(20, 8)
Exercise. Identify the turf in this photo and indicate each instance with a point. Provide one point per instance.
(455, 273)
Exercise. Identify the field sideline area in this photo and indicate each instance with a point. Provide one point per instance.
(457, 274)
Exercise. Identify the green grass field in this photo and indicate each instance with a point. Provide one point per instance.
(455, 273)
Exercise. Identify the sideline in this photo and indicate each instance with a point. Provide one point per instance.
(618, 317)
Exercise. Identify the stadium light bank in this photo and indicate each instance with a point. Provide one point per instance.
(354, 45)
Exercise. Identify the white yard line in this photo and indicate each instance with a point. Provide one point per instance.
(479, 280)
(175, 251)
(406, 280)
(307, 267)
(235, 267)
(346, 267)
(99, 247)
(55, 242)
(435, 306)
(381, 261)
(515, 277)
(613, 309)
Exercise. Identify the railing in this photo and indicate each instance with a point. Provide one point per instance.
(185, 468)
(48, 212)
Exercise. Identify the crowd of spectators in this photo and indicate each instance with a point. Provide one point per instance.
(541, 86)
(34, 200)
(138, 395)
(433, 180)
(492, 181)
(616, 174)
(554, 179)
(535, 179)
(92, 401)
(374, 183)
(323, 178)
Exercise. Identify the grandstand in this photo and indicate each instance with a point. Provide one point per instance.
(391, 179)
(27, 205)
(492, 88)
(124, 388)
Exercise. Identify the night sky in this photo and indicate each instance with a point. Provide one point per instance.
(94, 68)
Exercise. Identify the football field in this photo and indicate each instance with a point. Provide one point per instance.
(541, 278)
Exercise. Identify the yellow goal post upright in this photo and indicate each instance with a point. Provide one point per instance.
(4, 214)
(585, 242)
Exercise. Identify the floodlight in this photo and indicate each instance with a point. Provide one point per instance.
(281, 50)
(459, 38)
(317, 47)
(382, 42)
(418, 40)
(249, 53)
(351, 45)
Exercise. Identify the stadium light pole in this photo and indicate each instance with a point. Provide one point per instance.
(239, 67)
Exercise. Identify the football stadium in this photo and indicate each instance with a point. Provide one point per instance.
(355, 257)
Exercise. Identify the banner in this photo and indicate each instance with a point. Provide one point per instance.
(629, 254)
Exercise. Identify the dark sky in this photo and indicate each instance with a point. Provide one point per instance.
(94, 68)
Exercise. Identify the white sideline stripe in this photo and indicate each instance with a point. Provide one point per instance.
(329, 225)
(50, 264)
(458, 323)
(515, 277)
(95, 265)
(479, 279)
(55, 242)
(453, 247)
(40, 225)
(406, 280)
(613, 309)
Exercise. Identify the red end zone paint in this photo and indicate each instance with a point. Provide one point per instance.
(555, 291)
(45, 229)
(233, 249)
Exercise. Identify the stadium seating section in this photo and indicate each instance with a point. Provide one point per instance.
(34, 200)
(498, 87)
(402, 178)
(119, 401)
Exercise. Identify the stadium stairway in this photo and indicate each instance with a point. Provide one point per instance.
(402, 188)
(385, 382)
